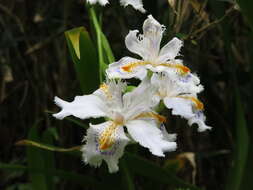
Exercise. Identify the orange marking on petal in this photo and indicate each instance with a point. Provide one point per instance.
(181, 68)
(130, 66)
(107, 139)
(198, 104)
(105, 88)
(153, 115)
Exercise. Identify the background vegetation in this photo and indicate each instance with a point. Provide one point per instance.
(36, 65)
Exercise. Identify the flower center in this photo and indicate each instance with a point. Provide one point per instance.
(119, 119)
(179, 67)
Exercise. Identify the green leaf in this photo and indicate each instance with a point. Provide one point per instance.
(150, 170)
(72, 38)
(85, 58)
(247, 9)
(48, 157)
(66, 175)
(242, 148)
(127, 175)
(138, 165)
(89, 67)
(35, 160)
(107, 48)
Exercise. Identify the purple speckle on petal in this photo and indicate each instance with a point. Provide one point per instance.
(110, 151)
(185, 78)
(198, 114)
(118, 70)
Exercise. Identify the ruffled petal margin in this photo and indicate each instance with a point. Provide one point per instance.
(170, 50)
(147, 134)
(179, 106)
(137, 71)
(137, 4)
(93, 155)
(82, 107)
(101, 2)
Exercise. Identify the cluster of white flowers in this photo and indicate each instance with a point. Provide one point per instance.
(171, 82)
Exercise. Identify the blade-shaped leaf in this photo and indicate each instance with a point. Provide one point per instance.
(139, 166)
(242, 146)
(127, 175)
(49, 159)
(247, 9)
(150, 170)
(35, 160)
(107, 49)
(84, 56)
(66, 175)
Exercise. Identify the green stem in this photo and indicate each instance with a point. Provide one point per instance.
(99, 41)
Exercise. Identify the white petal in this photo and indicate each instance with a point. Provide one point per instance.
(93, 155)
(187, 79)
(137, 4)
(166, 135)
(179, 106)
(137, 44)
(115, 69)
(101, 2)
(153, 32)
(171, 85)
(189, 84)
(139, 100)
(147, 45)
(82, 107)
(170, 50)
(199, 119)
(149, 136)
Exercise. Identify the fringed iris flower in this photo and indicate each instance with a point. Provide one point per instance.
(147, 46)
(181, 97)
(132, 110)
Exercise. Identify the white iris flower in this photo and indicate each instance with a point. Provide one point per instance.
(136, 4)
(181, 97)
(132, 110)
(147, 46)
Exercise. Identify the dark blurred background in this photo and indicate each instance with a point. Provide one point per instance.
(35, 66)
